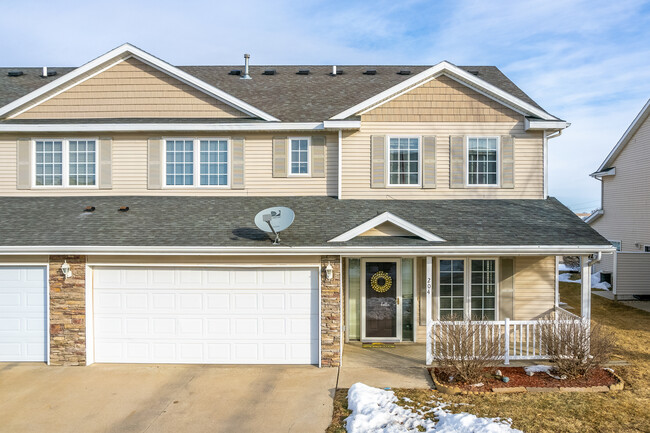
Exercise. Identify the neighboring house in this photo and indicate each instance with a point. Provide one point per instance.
(128, 190)
(625, 206)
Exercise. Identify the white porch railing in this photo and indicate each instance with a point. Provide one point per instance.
(520, 339)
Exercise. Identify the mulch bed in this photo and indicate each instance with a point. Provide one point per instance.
(518, 378)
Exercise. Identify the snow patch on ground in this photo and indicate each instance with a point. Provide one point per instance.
(376, 411)
(538, 368)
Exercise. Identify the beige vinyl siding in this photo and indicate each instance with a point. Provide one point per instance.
(625, 195)
(529, 168)
(386, 229)
(441, 100)
(130, 171)
(204, 260)
(131, 89)
(534, 286)
(632, 275)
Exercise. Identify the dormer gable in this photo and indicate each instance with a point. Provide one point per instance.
(387, 224)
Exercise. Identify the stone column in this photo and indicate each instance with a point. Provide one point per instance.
(68, 311)
(330, 313)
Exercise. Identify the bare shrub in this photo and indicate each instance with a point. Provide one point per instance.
(571, 261)
(464, 348)
(574, 346)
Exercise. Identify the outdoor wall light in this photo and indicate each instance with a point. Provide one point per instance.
(65, 270)
(329, 271)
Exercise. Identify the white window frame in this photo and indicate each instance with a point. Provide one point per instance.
(620, 244)
(65, 161)
(196, 162)
(498, 172)
(290, 159)
(468, 285)
(387, 159)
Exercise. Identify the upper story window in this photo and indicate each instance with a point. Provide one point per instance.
(482, 161)
(299, 156)
(646, 248)
(65, 163)
(616, 244)
(404, 161)
(196, 162)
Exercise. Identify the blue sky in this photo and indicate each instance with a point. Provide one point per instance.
(585, 61)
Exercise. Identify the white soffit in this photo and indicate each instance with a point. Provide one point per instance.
(120, 54)
(457, 74)
(387, 217)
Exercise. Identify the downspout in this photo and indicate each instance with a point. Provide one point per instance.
(546, 138)
(340, 170)
(596, 259)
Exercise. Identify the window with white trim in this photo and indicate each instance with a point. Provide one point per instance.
(197, 162)
(616, 244)
(452, 289)
(214, 162)
(299, 156)
(404, 161)
(65, 163)
(467, 292)
(483, 293)
(482, 161)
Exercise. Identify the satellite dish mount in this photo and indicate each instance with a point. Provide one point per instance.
(274, 220)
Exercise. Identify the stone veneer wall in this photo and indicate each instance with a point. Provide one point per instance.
(68, 311)
(330, 313)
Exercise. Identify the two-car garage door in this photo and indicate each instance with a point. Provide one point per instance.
(237, 315)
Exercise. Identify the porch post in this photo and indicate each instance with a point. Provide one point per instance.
(585, 292)
(429, 282)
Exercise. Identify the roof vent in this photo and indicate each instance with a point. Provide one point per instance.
(45, 73)
(336, 71)
(15, 73)
(123, 209)
(89, 209)
(235, 72)
(370, 72)
(404, 72)
(246, 75)
(473, 71)
(268, 72)
(302, 72)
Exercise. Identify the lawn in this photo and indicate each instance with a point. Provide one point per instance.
(624, 411)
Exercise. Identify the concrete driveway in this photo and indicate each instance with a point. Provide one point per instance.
(165, 398)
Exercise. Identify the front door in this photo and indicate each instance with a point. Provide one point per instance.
(382, 316)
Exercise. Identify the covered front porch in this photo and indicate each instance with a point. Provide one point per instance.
(401, 300)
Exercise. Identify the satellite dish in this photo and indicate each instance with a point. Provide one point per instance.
(274, 220)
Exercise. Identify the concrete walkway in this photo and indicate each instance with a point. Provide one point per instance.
(165, 398)
(400, 367)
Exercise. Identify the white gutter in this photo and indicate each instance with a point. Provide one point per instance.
(130, 127)
(342, 124)
(343, 250)
(534, 124)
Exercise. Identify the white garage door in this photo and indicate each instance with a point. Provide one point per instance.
(23, 300)
(206, 315)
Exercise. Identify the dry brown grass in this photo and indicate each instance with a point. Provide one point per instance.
(624, 411)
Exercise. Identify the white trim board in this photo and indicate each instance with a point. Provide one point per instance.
(124, 52)
(387, 217)
(457, 74)
(406, 251)
(129, 127)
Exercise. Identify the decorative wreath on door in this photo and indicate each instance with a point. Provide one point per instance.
(381, 282)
